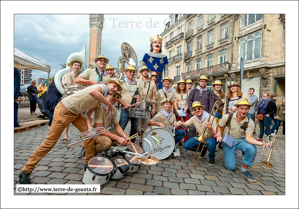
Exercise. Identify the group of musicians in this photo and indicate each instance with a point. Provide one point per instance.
(97, 102)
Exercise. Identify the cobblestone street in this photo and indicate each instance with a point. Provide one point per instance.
(172, 176)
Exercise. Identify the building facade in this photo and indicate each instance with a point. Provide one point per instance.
(213, 45)
(26, 76)
(95, 40)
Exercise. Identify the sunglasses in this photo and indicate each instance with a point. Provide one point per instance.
(116, 96)
(233, 86)
(197, 109)
(131, 71)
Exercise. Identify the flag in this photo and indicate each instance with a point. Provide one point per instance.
(241, 72)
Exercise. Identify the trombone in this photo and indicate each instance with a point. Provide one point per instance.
(201, 138)
(267, 151)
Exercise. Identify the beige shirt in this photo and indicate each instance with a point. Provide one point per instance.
(144, 87)
(100, 116)
(160, 118)
(82, 100)
(126, 94)
(91, 75)
(160, 96)
(193, 122)
(235, 127)
(182, 101)
(69, 79)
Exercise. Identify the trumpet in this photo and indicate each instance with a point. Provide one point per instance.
(267, 151)
(201, 138)
(91, 133)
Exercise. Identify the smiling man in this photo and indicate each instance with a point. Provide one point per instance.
(70, 110)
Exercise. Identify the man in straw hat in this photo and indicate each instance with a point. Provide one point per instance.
(155, 60)
(240, 127)
(204, 96)
(69, 110)
(95, 75)
(200, 121)
(110, 71)
(189, 85)
(165, 93)
(147, 91)
(166, 118)
(101, 119)
(130, 89)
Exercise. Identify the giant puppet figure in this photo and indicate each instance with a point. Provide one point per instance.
(155, 60)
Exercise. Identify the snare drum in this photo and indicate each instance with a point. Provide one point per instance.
(120, 168)
(136, 112)
(166, 138)
(98, 171)
(134, 163)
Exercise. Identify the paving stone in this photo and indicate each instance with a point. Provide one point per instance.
(180, 163)
(134, 192)
(157, 169)
(240, 180)
(154, 182)
(204, 188)
(225, 179)
(171, 185)
(123, 185)
(41, 168)
(237, 191)
(141, 171)
(57, 175)
(162, 190)
(71, 165)
(175, 166)
(213, 193)
(40, 180)
(212, 178)
(42, 173)
(268, 193)
(74, 177)
(208, 182)
(42, 163)
(192, 192)
(239, 185)
(138, 180)
(192, 181)
(198, 172)
(57, 181)
(150, 193)
(111, 190)
(71, 170)
(168, 174)
(155, 172)
(280, 183)
(56, 164)
(143, 176)
(111, 183)
(56, 168)
(269, 183)
(222, 190)
(183, 171)
(176, 179)
(223, 184)
(197, 176)
(179, 191)
(187, 186)
(163, 166)
(252, 192)
(183, 175)
(126, 178)
(281, 189)
(160, 178)
(270, 188)
(254, 186)
(145, 188)
(171, 170)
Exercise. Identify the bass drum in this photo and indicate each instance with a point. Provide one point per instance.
(98, 171)
(165, 137)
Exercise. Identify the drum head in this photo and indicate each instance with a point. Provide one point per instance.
(119, 162)
(135, 148)
(100, 165)
(165, 137)
(132, 159)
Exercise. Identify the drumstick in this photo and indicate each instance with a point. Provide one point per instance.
(134, 136)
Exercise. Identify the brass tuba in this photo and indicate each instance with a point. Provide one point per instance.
(267, 151)
(79, 56)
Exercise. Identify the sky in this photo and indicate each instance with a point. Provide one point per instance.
(52, 38)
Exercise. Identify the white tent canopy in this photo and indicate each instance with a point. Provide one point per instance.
(25, 61)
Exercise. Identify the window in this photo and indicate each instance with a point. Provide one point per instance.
(198, 62)
(249, 19)
(172, 20)
(178, 70)
(199, 43)
(170, 53)
(180, 15)
(223, 56)
(190, 25)
(166, 72)
(179, 49)
(189, 46)
(209, 60)
(251, 46)
(179, 30)
(211, 17)
(224, 31)
(171, 36)
(211, 37)
(188, 66)
(200, 21)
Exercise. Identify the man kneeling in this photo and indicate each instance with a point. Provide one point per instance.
(101, 119)
(167, 118)
(200, 121)
(240, 127)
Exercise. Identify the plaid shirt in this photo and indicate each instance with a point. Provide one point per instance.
(206, 98)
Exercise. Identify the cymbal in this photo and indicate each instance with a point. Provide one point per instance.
(151, 160)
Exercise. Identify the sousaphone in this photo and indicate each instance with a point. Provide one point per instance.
(128, 56)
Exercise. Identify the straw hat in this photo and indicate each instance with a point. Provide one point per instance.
(109, 67)
(189, 81)
(243, 101)
(72, 62)
(203, 77)
(130, 67)
(154, 74)
(233, 83)
(166, 100)
(101, 57)
(113, 80)
(143, 68)
(181, 81)
(197, 104)
(167, 78)
(217, 82)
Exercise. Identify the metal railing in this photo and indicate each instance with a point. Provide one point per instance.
(210, 45)
(168, 43)
(189, 33)
(188, 54)
(177, 57)
(211, 20)
(178, 37)
(176, 78)
(170, 59)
